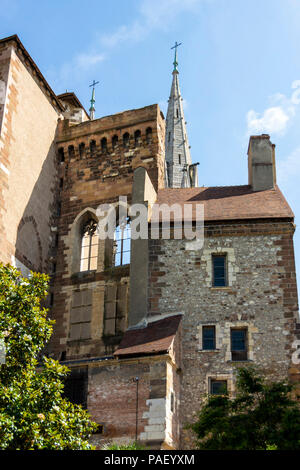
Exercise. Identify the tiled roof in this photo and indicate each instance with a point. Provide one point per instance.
(229, 202)
(157, 337)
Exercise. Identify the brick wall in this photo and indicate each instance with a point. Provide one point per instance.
(98, 175)
(28, 170)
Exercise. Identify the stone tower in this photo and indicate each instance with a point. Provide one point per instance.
(178, 159)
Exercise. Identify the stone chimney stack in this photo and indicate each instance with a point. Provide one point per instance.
(261, 163)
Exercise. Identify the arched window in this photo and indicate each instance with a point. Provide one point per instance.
(104, 144)
(137, 137)
(122, 244)
(148, 135)
(114, 141)
(61, 154)
(126, 139)
(71, 151)
(89, 246)
(81, 150)
(92, 147)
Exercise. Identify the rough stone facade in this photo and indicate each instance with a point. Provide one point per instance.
(261, 296)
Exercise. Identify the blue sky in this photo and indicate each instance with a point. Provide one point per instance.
(239, 70)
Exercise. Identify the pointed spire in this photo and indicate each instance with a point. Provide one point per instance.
(177, 149)
(92, 108)
(175, 63)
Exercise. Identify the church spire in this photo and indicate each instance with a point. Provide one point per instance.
(178, 157)
(92, 108)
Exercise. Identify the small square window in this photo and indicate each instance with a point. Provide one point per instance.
(219, 270)
(209, 338)
(239, 344)
(218, 387)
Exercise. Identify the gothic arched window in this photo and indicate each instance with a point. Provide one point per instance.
(126, 139)
(92, 147)
(148, 135)
(122, 244)
(104, 144)
(89, 246)
(114, 141)
(81, 149)
(71, 151)
(137, 137)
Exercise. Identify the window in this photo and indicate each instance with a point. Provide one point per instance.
(239, 344)
(76, 386)
(137, 137)
(89, 247)
(61, 182)
(209, 337)
(148, 135)
(122, 244)
(177, 113)
(114, 141)
(218, 387)
(169, 136)
(92, 147)
(126, 139)
(219, 271)
(104, 144)
(179, 159)
(71, 151)
(61, 154)
(81, 150)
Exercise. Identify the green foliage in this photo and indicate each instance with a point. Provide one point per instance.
(261, 417)
(33, 412)
(128, 446)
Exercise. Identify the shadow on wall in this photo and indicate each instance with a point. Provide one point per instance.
(34, 238)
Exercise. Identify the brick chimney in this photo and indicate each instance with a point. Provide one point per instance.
(261, 163)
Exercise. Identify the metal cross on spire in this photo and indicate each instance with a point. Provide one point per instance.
(175, 63)
(92, 108)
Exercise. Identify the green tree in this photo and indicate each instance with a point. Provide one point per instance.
(33, 412)
(262, 416)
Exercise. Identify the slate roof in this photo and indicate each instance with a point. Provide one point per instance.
(155, 338)
(229, 202)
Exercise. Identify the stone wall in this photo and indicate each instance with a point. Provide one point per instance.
(28, 171)
(112, 399)
(100, 174)
(261, 296)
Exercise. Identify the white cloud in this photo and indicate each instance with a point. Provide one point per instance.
(276, 118)
(152, 15)
(85, 61)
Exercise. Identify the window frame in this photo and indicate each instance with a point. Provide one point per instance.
(216, 380)
(206, 327)
(215, 256)
(90, 226)
(126, 226)
(239, 355)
